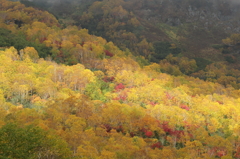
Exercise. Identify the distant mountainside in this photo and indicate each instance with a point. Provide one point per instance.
(192, 26)
(183, 46)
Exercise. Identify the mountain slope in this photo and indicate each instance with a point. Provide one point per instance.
(107, 103)
(192, 25)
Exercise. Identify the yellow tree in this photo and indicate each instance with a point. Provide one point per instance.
(72, 132)
(145, 48)
(76, 77)
(12, 53)
(29, 52)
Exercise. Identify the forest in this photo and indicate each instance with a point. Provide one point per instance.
(67, 92)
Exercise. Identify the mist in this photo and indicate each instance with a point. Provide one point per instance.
(235, 1)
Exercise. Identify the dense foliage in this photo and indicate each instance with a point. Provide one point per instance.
(192, 26)
(98, 112)
(89, 99)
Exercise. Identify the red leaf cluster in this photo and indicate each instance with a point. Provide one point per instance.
(149, 133)
(170, 97)
(237, 154)
(221, 153)
(123, 97)
(108, 79)
(119, 128)
(170, 131)
(58, 43)
(132, 134)
(166, 128)
(153, 103)
(156, 145)
(108, 53)
(82, 43)
(185, 107)
(119, 87)
(117, 98)
(42, 39)
(107, 127)
(177, 133)
(220, 102)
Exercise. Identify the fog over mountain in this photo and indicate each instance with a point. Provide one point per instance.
(235, 1)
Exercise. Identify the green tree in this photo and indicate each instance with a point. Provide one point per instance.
(30, 142)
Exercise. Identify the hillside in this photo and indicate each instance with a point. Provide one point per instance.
(67, 94)
(156, 29)
(193, 26)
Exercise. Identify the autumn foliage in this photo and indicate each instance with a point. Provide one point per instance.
(150, 115)
(108, 107)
